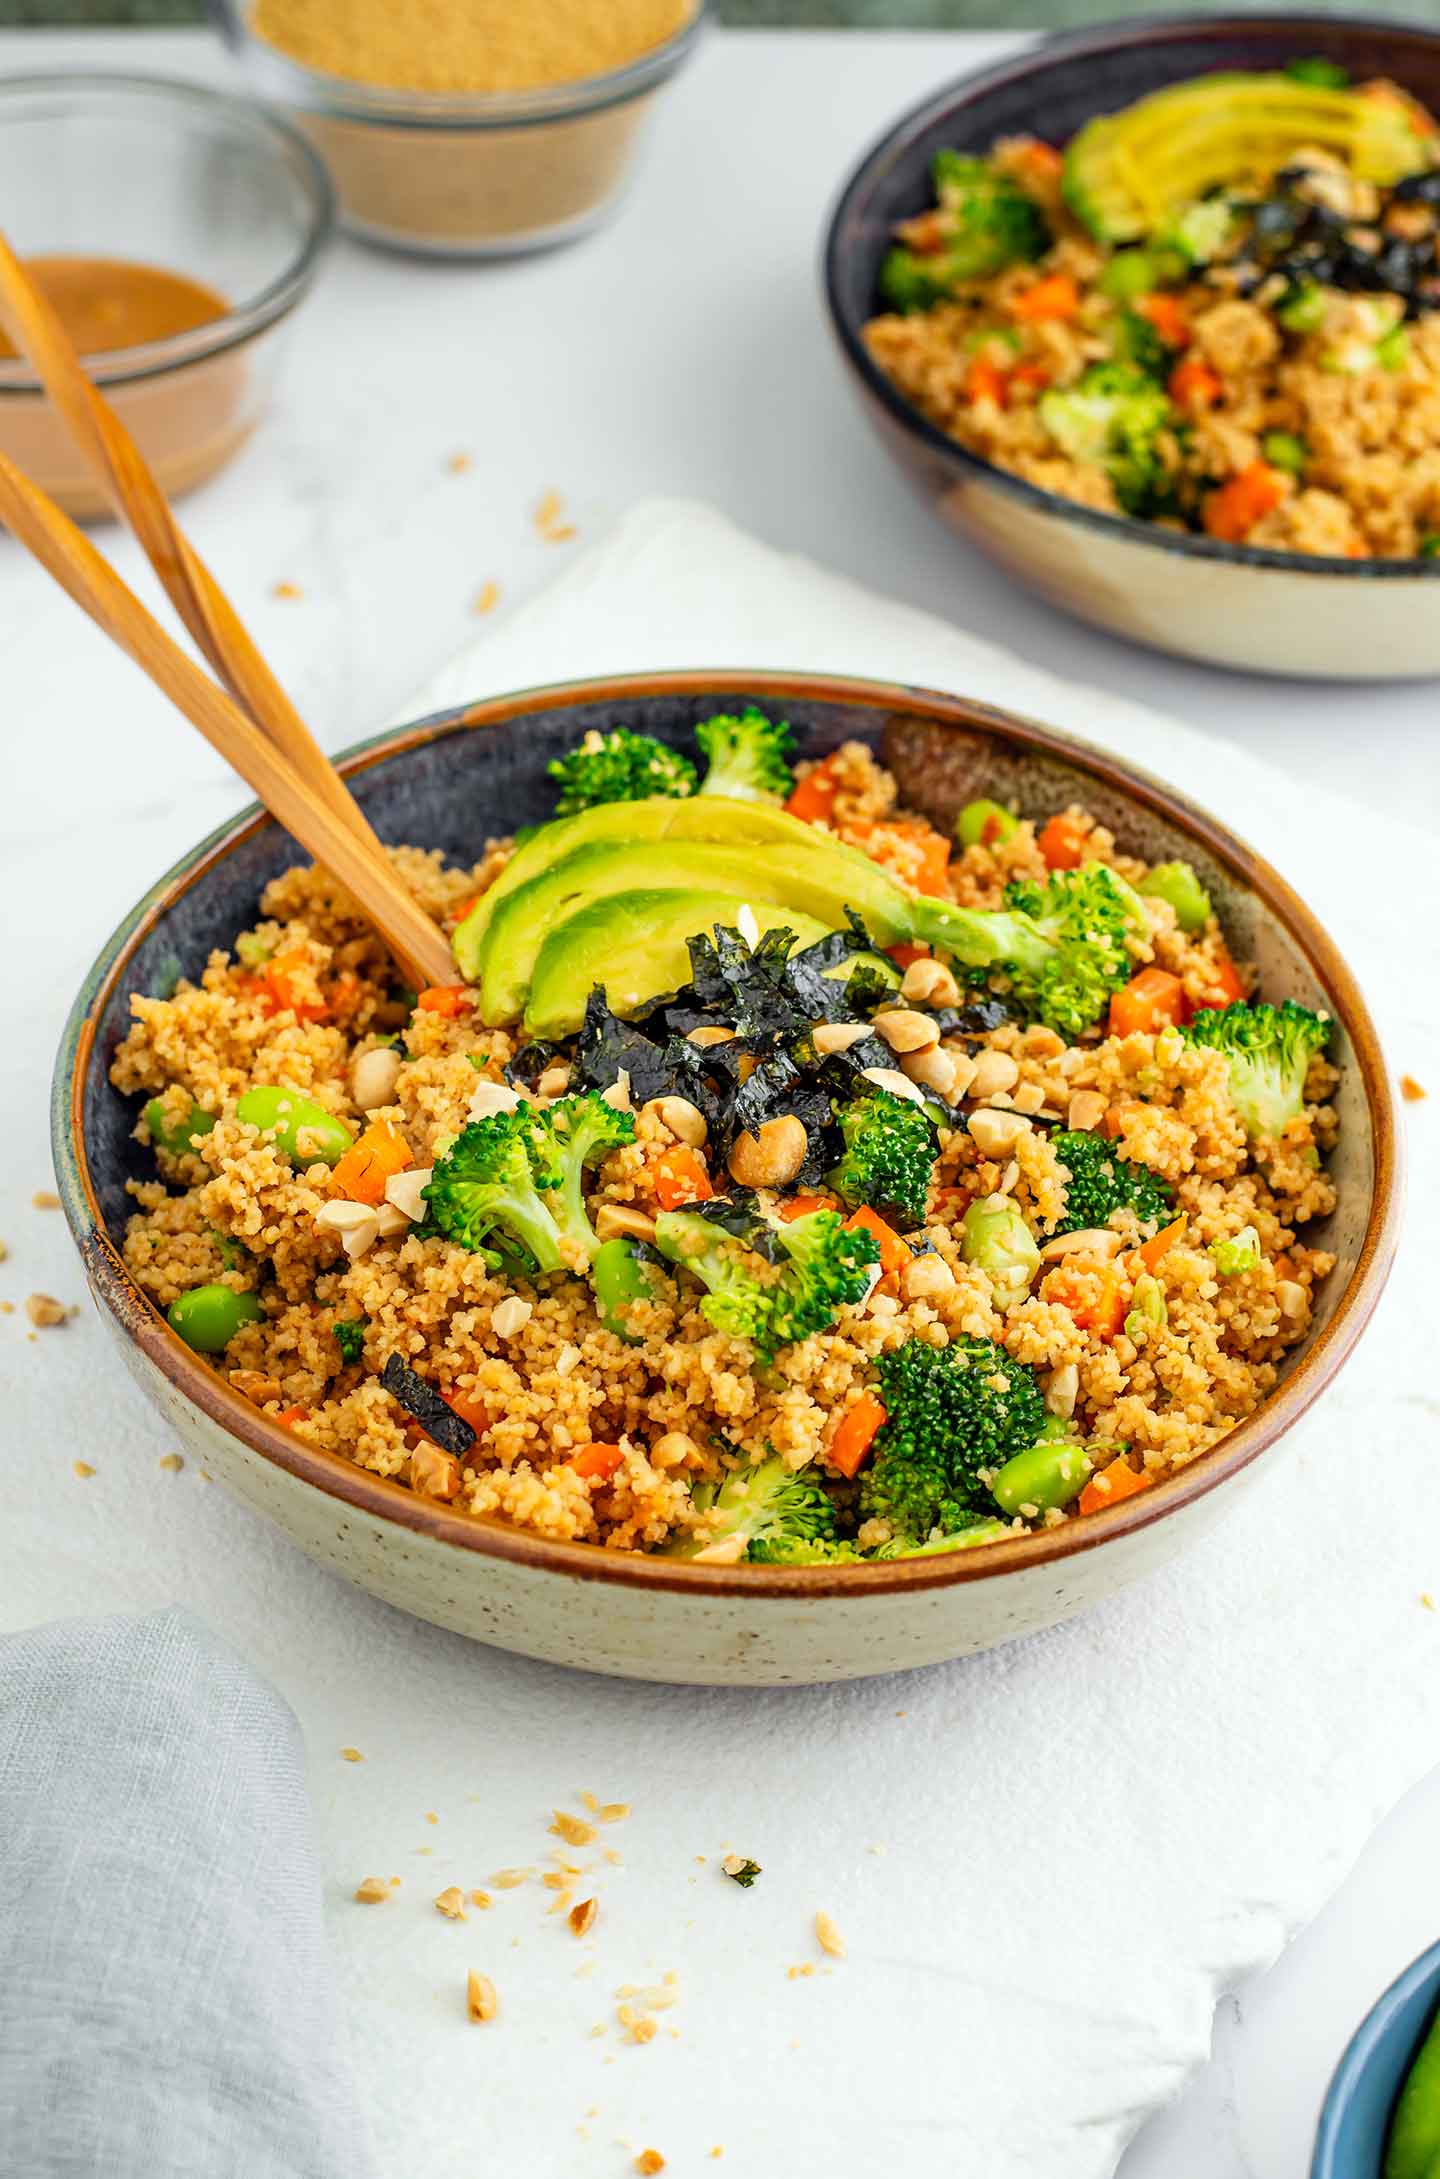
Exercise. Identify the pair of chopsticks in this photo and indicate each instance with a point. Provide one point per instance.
(244, 713)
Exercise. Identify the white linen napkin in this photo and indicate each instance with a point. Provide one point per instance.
(1114, 1822)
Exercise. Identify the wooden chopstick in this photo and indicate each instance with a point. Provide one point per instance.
(67, 553)
(34, 326)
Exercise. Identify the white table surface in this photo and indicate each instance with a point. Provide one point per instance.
(683, 351)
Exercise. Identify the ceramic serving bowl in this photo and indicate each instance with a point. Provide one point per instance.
(1355, 2116)
(451, 781)
(1230, 605)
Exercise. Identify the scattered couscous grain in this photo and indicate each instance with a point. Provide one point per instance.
(480, 2000)
(459, 463)
(487, 45)
(44, 1309)
(487, 597)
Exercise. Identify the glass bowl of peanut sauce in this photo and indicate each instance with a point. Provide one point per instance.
(175, 230)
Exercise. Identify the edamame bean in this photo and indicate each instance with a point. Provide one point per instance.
(1177, 883)
(989, 822)
(208, 1317)
(305, 1131)
(620, 1276)
(1050, 1473)
(177, 1136)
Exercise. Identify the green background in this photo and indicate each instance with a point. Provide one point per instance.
(861, 14)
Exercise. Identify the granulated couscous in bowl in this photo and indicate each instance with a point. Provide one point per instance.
(783, 1180)
(469, 131)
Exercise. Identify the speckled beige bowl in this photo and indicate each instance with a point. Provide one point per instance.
(449, 782)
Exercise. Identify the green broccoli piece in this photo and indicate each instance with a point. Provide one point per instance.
(890, 1152)
(1269, 1049)
(1101, 1183)
(747, 758)
(1140, 344)
(1084, 916)
(350, 1337)
(1241, 1253)
(619, 767)
(769, 1282)
(1113, 416)
(988, 223)
(781, 1517)
(1200, 233)
(519, 1175)
(951, 1413)
(740, 1870)
(980, 1530)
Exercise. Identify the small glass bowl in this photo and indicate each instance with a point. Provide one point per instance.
(471, 175)
(189, 180)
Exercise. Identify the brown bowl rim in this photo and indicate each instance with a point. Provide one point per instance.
(1091, 41)
(392, 1502)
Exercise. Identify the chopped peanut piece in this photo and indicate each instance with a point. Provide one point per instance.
(648, 2162)
(372, 1891)
(351, 1755)
(582, 1918)
(172, 1463)
(480, 2000)
(83, 1469)
(451, 1903)
(572, 1830)
(828, 1937)
(1411, 1090)
(44, 1309)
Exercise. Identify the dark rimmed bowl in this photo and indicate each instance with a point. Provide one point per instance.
(449, 782)
(1229, 605)
(1355, 2116)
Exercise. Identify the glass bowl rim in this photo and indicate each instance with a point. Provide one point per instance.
(241, 321)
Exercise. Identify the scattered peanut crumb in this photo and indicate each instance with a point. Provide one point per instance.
(550, 522)
(172, 1463)
(1427, 1600)
(487, 598)
(648, 2162)
(286, 590)
(459, 463)
(451, 1903)
(45, 1199)
(44, 1309)
(717, 2150)
(480, 1899)
(615, 1859)
(82, 1469)
(572, 1830)
(799, 1973)
(614, 1811)
(430, 1816)
(351, 1755)
(508, 1879)
(582, 1918)
(1411, 1090)
(372, 1891)
(480, 2000)
(828, 1937)
(7, 1308)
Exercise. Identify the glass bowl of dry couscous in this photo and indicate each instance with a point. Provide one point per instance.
(513, 131)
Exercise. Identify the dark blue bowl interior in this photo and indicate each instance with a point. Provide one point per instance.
(1350, 2140)
(1054, 89)
(455, 791)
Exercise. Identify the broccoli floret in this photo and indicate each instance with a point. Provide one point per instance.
(1084, 915)
(619, 767)
(890, 1150)
(980, 1530)
(519, 1175)
(1101, 1183)
(777, 1515)
(350, 1337)
(1199, 233)
(1140, 343)
(1241, 1253)
(1269, 1049)
(950, 1412)
(987, 223)
(747, 758)
(769, 1281)
(1113, 415)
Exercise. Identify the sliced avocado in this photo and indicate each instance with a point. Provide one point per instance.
(633, 944)
(697, 817)
(808, 876)
(1126, 172)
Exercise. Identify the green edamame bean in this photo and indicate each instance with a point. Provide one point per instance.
(1413, 2148)
(208, 1317)
(305, 1131)
(620, 1276)
(989, 822)
(1051, 1473)
(1177, 883)
(177, 1136)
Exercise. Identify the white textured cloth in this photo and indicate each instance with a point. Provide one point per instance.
(166, 2009)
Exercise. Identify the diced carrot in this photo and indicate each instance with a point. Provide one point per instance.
(1232, 513)
(934, 868)
(1152, 1253)
(1092, 1289)
(905, 954)
(1148, 1002)
(344, 994)
(986, 381)
(374, 1158)
(458, 915)
(470, 1408)
(894, 1255)
(855, 1434)
(1112, 1484)
(800, 1206)
(1357, 549)
(1225, 987)
(1043, 160)
(444, 999)
(281, 991)
(1033, 374)
(599, 1461)
(1054, 297)
(1193, 386)
(1167, 317)
(680, 1176)
(812, 799)
(1062, 843)
(289, 1416)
